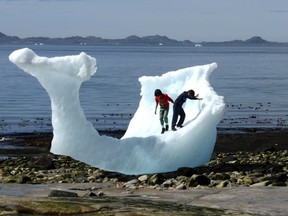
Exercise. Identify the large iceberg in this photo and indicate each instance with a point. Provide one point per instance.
(142, 149)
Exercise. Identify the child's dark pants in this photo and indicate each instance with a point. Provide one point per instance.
(178, 111)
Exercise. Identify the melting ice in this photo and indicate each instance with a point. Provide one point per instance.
(142, 149)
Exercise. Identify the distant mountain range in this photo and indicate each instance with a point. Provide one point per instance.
(155, 40)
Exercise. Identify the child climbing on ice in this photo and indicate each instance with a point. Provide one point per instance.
(178, 109)
(163, 101)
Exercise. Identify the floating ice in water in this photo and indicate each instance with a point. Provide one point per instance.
(142, 149)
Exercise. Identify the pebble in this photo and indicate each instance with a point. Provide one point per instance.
(254, 169)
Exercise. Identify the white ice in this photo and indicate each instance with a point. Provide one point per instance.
(142, 149)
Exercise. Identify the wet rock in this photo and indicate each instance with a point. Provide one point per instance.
(100, 193)
(90, 194)
(185, 171)
(261, 184)
(223, 184)
(132, 183)
(25, 179)
(44, 162)
(220, 176)
(61, 193)
(196, 180)
(168, 183)
(10, 180)
(91, 179)
(247, 181)
(143, 178)
(279, 184)
(156, 179)
(281, 177)
(181, 186)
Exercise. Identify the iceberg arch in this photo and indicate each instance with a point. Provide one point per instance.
(142, 149)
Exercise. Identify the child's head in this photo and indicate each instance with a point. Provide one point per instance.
(191, 92)
(157, 92)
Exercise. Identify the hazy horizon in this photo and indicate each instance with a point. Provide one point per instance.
(194, 20)
(139, 37)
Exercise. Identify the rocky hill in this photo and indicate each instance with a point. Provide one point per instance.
(155, 40)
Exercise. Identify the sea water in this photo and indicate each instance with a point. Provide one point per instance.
(253, 81)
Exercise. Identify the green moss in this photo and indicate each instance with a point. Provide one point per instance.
(54, 206)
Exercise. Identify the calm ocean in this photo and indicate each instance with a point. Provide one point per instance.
(253, 81)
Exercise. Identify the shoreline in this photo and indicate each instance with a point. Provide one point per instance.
(247, 175)
(228, 139)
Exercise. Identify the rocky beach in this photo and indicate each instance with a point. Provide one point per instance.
(248, 170)
(247, 173)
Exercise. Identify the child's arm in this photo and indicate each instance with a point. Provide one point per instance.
(198, 98)
(194, 97)
(170, 99)
(156, 107)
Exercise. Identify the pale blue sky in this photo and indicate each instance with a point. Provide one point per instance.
(195, 20)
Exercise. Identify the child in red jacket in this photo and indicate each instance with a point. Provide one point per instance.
(163, 101)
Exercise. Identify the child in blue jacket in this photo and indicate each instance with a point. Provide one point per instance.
(178, 109)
